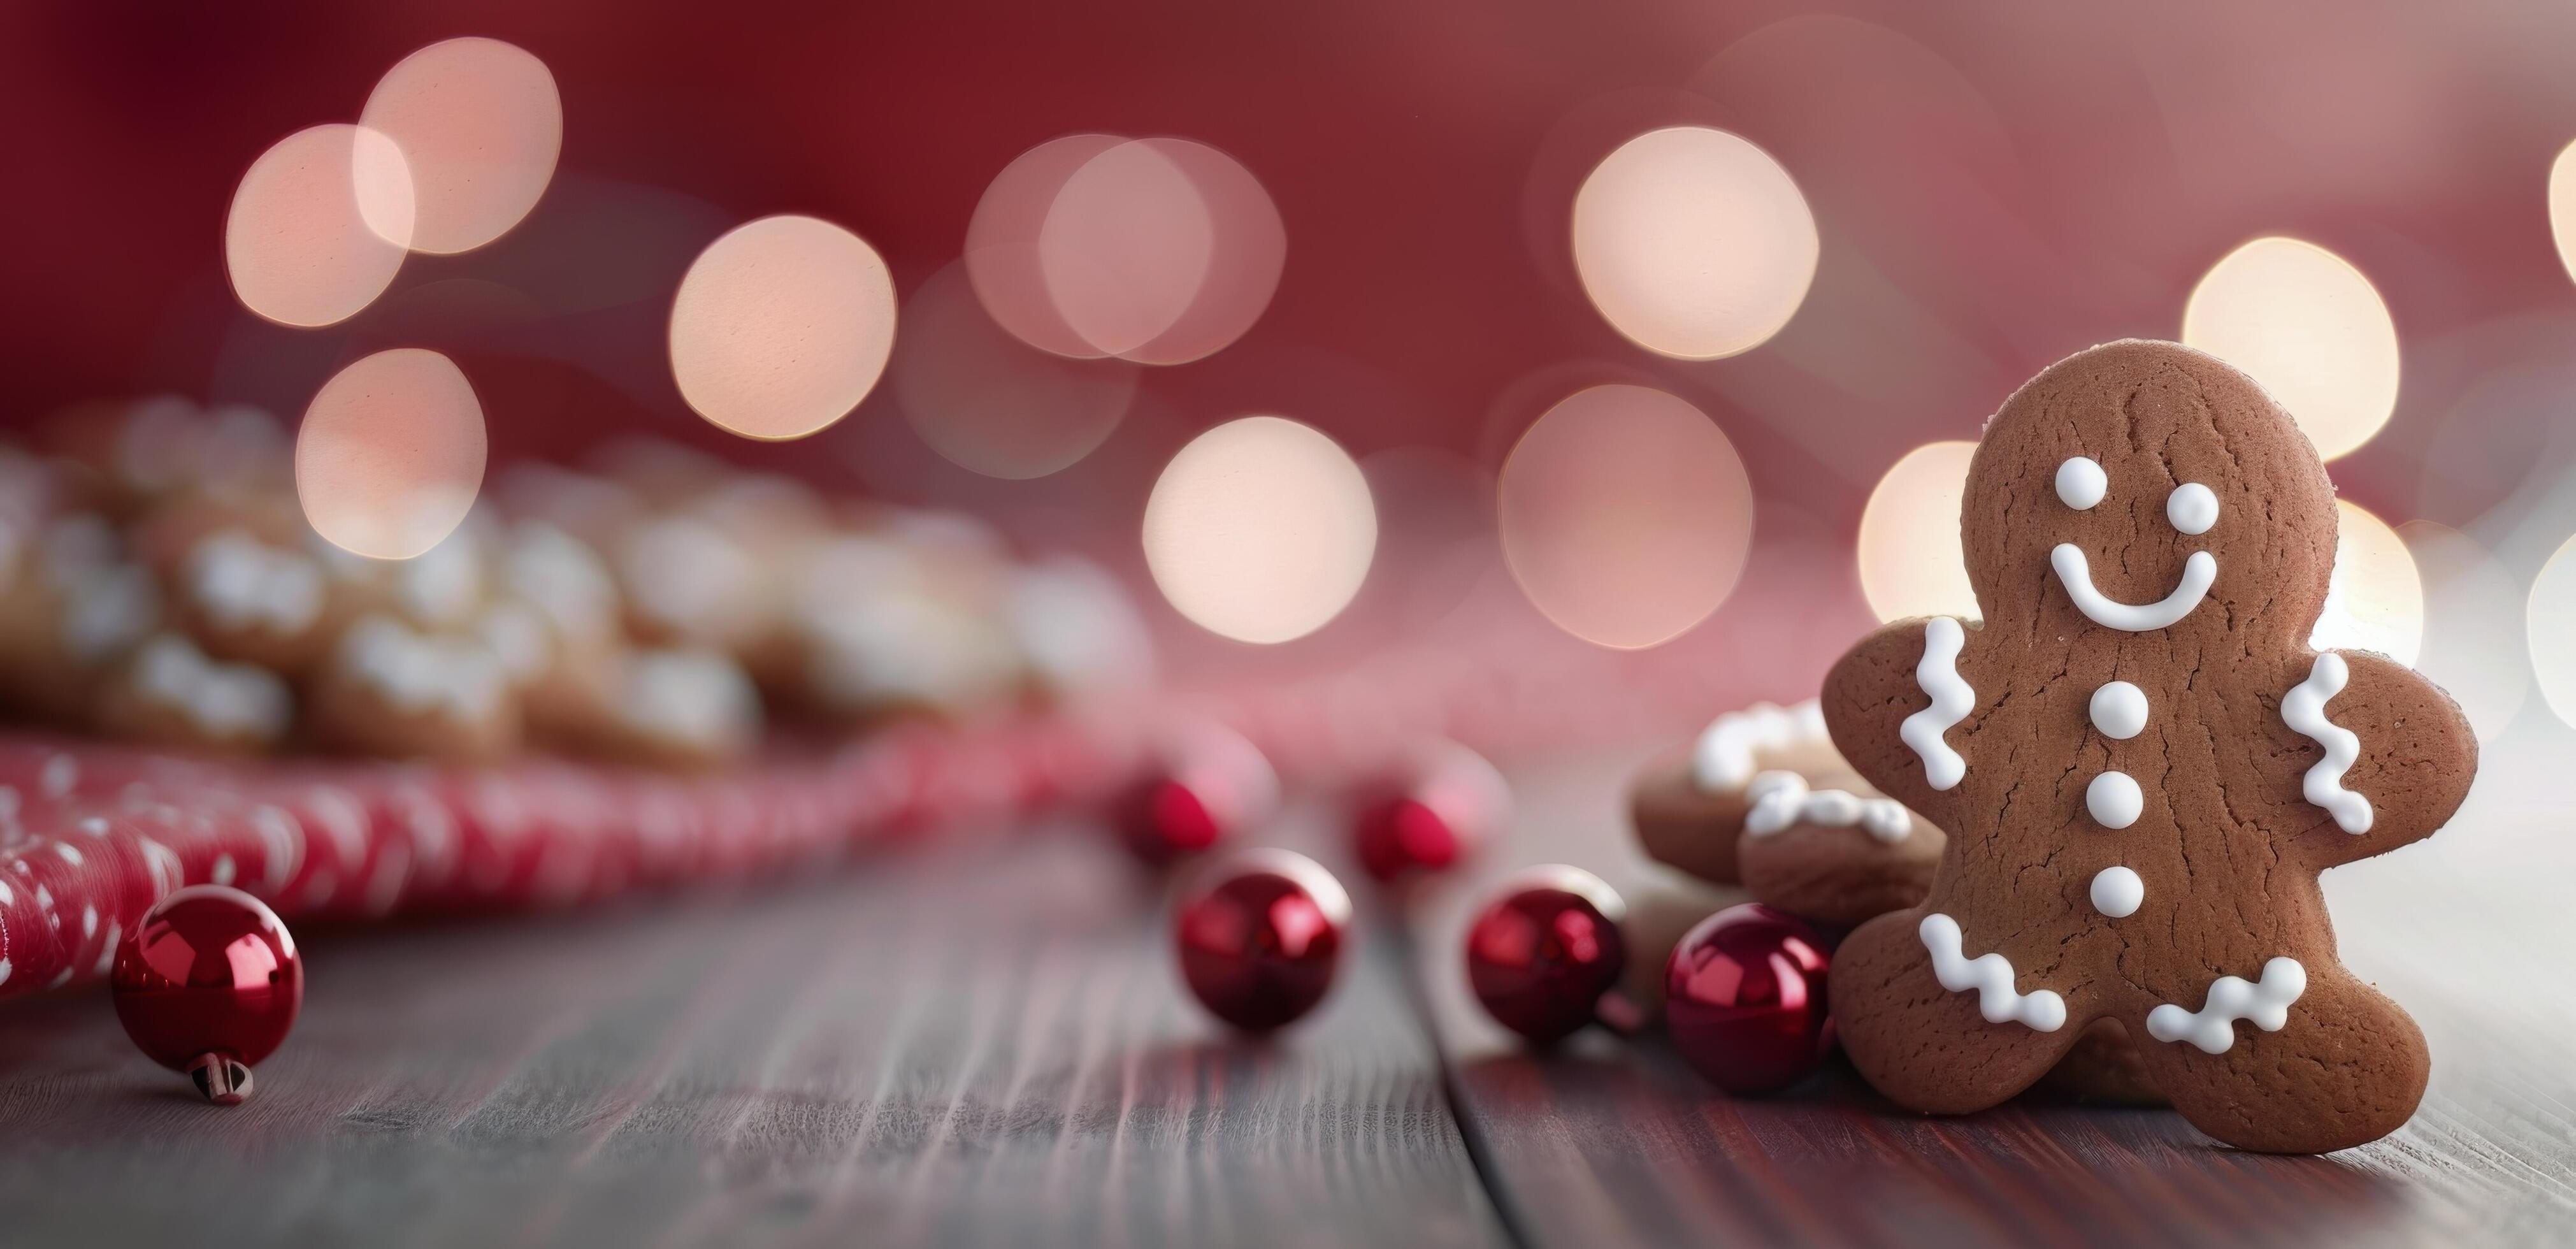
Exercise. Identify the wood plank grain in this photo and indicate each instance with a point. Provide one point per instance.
(981, 1044)
(1609, 1142)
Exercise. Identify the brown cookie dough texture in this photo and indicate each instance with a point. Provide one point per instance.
(1762, 801)
(2143, 767)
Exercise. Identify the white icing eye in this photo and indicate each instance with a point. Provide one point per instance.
(2192, 507)
(2081, 483)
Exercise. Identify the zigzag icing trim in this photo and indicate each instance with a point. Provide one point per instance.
(1952, 700)
(1991, 975)
(2304, 710)
(2213, 1026)
(1781, 799)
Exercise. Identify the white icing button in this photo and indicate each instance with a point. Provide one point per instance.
(2081, 483)
(2192, 508)
(2120, 710)
(2114, 800)
(2117, 892)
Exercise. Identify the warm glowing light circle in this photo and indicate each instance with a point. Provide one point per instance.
(2562, 206)
(1693, 242)
(2309, 327)
(1260, 530)
(481, 124)
(319, 225)
(990, 403)
(2375, 599)
(390, 455)
(781, 327)
(1911, 562)
(2473, 624)
(2550, 617)
(1160, 251)
(1625, 515)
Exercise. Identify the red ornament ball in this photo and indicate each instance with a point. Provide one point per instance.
(1206, 784)
(1541, 956)
(1744, 999)
(209, 984)
(1260, 936)
(1430, 813)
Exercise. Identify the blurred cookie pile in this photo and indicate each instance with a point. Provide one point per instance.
(159, 584)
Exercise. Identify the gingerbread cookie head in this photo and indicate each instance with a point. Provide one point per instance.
(2143, 768)
(2120, 474)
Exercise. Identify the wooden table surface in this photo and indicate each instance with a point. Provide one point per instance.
(984, 1042)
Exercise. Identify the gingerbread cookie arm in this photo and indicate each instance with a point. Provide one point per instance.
(1891, 704)
(2393, 756)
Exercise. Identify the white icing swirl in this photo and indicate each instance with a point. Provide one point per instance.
(219, 699)
(2198, 574)
(1781, 799)
(1952, 699)
(2304, 710)
(243, 584)
(2212, 1027)
(424, 674)
(1991, 975)
(1722, 758)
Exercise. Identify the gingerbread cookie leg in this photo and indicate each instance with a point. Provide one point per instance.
(2344, 1067)
(1930, 1046)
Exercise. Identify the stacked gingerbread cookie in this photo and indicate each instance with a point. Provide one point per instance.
(1761, 806)
(159, 583)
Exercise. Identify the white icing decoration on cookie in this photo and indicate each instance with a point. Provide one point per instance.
(243, 583)
(220, 699)
(421, 673)
(1781, 799)
(1722, 758)
(1991, 975)
(2119, 710)
(106, 610)
(519, 638)
(564, 578)
(2304, 710)
(2198, 573)
(690, 578)
(1952, 699)
(2114, 800)
(2192, 508)
(444, 584)
(697, 697)
(2118, 892)
(2212, 1027)
(2081, 483)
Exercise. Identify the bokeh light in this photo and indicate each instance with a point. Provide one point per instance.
(1693, 242)
(990, 403)
(2550, 618)
(1160, 251)
(1625, 514)
(2375, 600)
(481, 124)
(2309, 327)
(1260, 530)
(2473, 622)
(2562, 206)
(781, 327)
(1911, 563)
(390, 454)
(319, 225)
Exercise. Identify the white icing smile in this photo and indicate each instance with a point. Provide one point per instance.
(2198, 574)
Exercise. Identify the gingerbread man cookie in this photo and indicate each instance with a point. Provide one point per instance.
(2142, 767)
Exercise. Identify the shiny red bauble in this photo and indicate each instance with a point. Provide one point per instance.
(1428, 813)
(1744, 999)
(1541, 956)
(1202, 785)
(209, 984)
(1260, 936)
